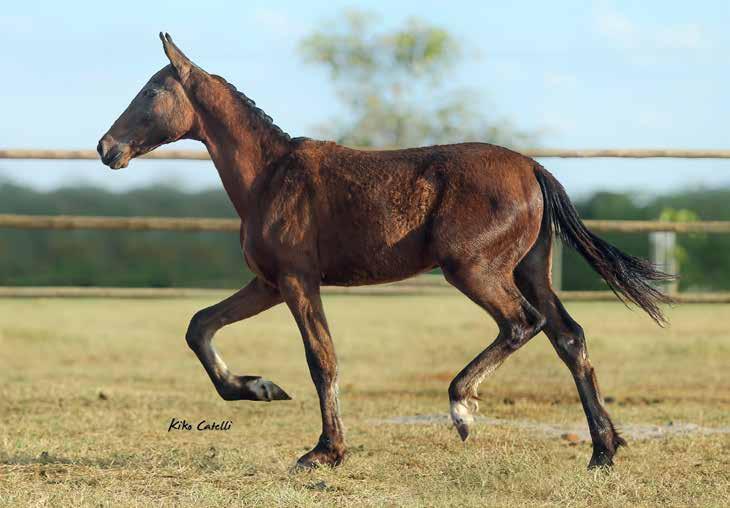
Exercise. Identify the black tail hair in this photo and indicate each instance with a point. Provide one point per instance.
(629, 277)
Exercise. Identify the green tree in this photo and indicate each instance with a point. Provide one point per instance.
(394, 85)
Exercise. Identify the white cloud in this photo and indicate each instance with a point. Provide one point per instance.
(628, 34)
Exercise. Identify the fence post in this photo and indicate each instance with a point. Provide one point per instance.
(664, 255)
(557, 264)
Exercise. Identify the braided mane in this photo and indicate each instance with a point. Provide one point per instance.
(251, 105)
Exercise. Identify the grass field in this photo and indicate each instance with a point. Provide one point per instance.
(89, 387)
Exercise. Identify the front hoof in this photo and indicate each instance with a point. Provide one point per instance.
(600, 460)
(265, 390)
(252, 388)
(603, 454)
(320, 457)
(462, 415)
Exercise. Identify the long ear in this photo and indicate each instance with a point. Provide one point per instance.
(179, 61)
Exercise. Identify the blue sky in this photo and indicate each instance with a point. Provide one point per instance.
(583, 74)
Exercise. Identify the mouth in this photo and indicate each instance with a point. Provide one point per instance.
(118, 161)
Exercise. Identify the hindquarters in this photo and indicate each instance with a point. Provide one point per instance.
(489, 219)
(490, 213)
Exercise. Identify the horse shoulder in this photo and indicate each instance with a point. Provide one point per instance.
(282, 223)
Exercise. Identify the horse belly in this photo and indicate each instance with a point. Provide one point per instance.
(382, 245)
(364, 261)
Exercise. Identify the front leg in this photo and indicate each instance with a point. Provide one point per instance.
(256, 297)
(301, 294)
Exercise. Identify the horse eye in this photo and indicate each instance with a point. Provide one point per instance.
(151, 92)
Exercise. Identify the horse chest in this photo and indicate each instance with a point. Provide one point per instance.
(255, 266)
(259, 259)
(279, 245)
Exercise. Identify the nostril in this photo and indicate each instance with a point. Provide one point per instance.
(106, 143)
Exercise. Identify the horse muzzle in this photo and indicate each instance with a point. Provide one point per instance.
(113, 154)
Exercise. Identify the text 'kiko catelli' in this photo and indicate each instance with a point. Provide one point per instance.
(183, 424)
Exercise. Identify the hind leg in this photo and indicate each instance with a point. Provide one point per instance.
(533, 278)
(518, 322)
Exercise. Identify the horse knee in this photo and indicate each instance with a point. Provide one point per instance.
(198, 330)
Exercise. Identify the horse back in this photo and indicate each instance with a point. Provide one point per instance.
(369, 217)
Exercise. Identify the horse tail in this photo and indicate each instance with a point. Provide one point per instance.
(629, 277)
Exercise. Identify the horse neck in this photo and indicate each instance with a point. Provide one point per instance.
(241, 143)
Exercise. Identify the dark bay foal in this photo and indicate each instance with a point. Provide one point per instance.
(315, 213)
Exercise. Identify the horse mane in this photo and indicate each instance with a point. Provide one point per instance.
(251, 106)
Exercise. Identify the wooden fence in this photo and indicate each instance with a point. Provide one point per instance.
(530, 152)
(66, 222)
(423, 285)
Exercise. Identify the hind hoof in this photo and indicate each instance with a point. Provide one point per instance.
(462, 415)
(463, 430)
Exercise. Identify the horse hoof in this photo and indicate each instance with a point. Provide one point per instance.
(266, 391)
(600, 462)
(463, 430)
(603, 454)
(462, 417)
(319, 458)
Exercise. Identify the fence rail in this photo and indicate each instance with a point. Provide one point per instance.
(417, 286)
(67, 222)
(530, 152)
(410, 287)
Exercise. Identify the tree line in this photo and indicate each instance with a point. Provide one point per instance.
(173, 259)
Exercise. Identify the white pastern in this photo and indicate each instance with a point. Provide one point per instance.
(461, 413)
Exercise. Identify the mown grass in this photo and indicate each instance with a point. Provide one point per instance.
(89, 387)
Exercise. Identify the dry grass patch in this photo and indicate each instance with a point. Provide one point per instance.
(89, 387)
